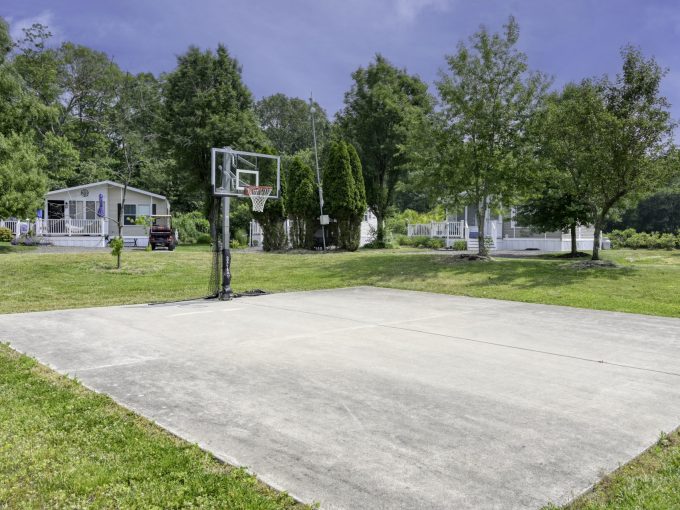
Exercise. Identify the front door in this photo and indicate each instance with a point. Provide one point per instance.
(55, 216)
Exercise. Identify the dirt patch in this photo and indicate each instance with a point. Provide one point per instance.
(579, 255)
(465, 257)
(591, 264)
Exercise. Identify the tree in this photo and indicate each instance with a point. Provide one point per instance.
(613, 138)
(554, 209)
(341, 196)
(273, 218)
(360, 206)
(287, 123)
(637, 138)
(22, 182)
(6, 42)
(302, 203)
(206, 104)
(381, 106)
(480, 149)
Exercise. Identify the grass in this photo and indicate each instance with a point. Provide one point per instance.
(650, 482)
(63, 446)
(8, 248)
(648, 281)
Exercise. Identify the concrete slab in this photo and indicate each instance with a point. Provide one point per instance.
(377, 398)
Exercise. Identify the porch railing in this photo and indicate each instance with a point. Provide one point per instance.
(446, 229)
(71, 227)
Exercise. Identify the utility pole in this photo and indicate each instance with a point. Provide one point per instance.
(318, 174)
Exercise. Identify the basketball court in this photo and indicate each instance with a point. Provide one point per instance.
(378, 398)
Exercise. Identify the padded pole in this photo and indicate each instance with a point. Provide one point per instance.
(225, 292)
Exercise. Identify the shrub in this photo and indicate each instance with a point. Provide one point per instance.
(420, 241)
(6, 235)
(629, 238)
(203, 239)
(460, 245)
(190, 226)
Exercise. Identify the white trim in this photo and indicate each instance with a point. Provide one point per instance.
(111, 183)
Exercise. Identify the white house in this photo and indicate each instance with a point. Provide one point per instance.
(86, 215)
(369, 225)
(501, 233)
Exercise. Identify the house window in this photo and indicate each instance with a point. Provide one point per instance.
(75, 210)
(130, 214)
(143, 210)
(90, 210)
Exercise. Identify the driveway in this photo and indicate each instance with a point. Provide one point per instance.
(376, 398)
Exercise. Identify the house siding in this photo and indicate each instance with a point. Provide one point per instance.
(131, 198)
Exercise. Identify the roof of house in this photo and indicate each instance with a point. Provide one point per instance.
(111, 183)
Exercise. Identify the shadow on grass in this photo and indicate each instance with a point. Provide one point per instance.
(426, 269)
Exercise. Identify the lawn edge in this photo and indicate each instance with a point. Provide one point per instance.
(600, 487)
(51, 376)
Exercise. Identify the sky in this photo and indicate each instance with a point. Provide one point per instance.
(302, 46)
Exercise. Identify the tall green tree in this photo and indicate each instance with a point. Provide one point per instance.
(206, 104)
(302, 203)
(555, 208)
(343, 194)
(360, 205)
(380, 109)
(614, 138)
(287, 123)
(480, 144)
(22, 181)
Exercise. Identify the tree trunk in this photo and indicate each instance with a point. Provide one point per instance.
(481, 223)
(574, 250)
(596, 239)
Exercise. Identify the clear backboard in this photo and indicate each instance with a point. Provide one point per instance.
(233, 173)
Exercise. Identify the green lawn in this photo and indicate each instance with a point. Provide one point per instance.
(650, 482)
(63, 446)
(648, 282)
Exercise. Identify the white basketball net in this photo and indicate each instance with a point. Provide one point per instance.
(258, 195)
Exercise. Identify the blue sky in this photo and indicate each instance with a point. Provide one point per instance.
(295, 46)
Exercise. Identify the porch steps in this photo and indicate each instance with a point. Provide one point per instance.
(472, 244)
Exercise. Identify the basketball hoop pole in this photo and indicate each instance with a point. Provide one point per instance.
(225, 291)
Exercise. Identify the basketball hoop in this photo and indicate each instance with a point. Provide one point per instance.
(258, 195)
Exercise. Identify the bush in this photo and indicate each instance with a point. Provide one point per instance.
(6, 235)
(203, 239)
(420, 242)
(460, 245)
(629, 238)
(190, 226)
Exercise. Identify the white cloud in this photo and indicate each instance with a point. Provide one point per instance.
(408, 10)
(44, 18)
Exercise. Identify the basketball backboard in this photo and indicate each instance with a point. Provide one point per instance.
(232, 171)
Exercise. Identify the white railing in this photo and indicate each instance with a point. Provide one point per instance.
(446, 229)
(18, 227)
(71, 227)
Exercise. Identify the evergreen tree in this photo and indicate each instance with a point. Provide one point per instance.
(340, 195)
(302, 204)
(359, 199)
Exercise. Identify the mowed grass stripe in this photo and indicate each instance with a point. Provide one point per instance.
(648, 281)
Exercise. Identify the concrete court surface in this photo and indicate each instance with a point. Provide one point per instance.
(370, 398)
